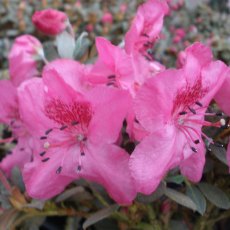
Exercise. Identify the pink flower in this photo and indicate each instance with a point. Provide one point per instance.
(223, 95)
(25, 52)
(107, 18)
(74, 135)
(123, 7)
(23, 57)
(115, 67)
(9, 115)
(171, 107)
(222, 99)
(146, 26)
(51, 22)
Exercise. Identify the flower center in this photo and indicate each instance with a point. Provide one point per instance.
(72, 126)
(188, 114)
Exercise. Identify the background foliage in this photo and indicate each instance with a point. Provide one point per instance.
(177, 204)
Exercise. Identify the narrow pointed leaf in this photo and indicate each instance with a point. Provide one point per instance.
(198, 198)
(100, 215)
(180, 198)
(215, 195)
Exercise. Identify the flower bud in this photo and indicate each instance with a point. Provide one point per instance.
(50, 22)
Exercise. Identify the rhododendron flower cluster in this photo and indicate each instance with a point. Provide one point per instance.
(69, 118)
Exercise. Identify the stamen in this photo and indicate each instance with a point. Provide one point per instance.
(22, 149)
(193, 149)
(48, 131)
(110, 83)
(218, 144)
(192, 110)
(79, 168)
(43, 137)
(136, 120)
(42, 153)
(182, 113)
(111, 77)
(219, 114)
(46, 145)
(197, 141)
(222, 122)
(198, 103)
(74, 123)
(82, 154)
(46, 159)
(63, 127)
(58, 171)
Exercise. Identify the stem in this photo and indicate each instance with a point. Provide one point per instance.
(5, 182)
(49, 213)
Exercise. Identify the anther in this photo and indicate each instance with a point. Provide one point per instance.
(222, 122)
(111, 77)
(46, 145)
(46, 159)
(182, 113)
(110, 83)
(82, 154)
(21, 149)
(63, 127)
(192, 110)
(193, 149)
(197, 141)
(58, 171)
(198, 103)
(136, 120)
(218, 144)
(79, 168)
(42, 153)
(43, 137)
(74, 123)
(219, 114)
(48, 131)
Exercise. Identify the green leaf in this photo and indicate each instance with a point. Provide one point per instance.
(69, 193)
(219, 153)
(82, 45)
(65, 44)
(146, 199)
(198, 198)
(215, 195)
(180, 198)
(178, 179)
(100, 215)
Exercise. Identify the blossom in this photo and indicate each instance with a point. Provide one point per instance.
(51, 22)
(23, 57)
(222, 98)
(171, 107)
(107, 18)
(146, 26)
(114, 67)
(74, 136)
(9, 115)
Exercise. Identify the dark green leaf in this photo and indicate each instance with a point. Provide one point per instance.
(215, 195)
(159, 192)
(198, 198)
(100, 215)
(180, 198)
(219, 153)
(178, 179)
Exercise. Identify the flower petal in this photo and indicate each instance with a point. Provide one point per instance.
(108, 166)
(192, 167)
(152, 158)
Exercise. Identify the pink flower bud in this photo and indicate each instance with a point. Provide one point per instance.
(50, 22)
(123, 7)
(107, 18)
